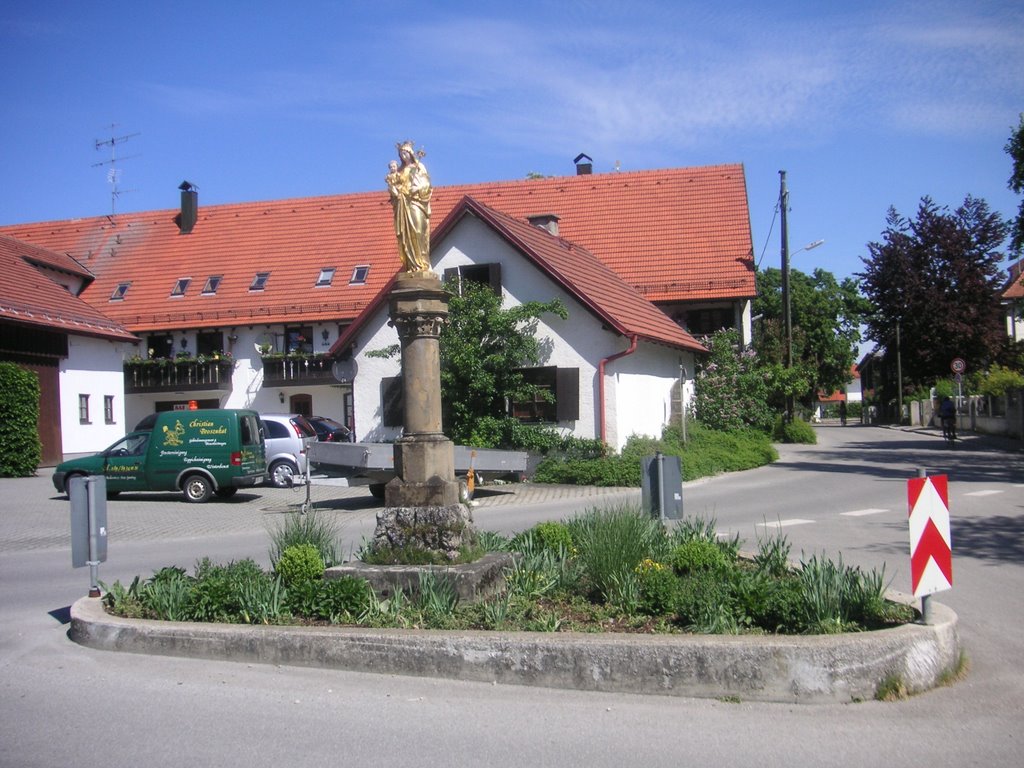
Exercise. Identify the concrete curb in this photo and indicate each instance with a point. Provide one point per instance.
(791, 669)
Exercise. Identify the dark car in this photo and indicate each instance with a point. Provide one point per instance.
(328, 430)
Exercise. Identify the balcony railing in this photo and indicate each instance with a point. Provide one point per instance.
(285, 370)
(176, 375)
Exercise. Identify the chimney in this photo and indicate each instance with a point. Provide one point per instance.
(584, 168)
(546, 221)
(189, 207)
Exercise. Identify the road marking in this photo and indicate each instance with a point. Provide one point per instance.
(863, 512)
(982, 493)
(785, 523)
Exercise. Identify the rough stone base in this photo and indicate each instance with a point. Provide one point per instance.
(471, 581)
(441, 529)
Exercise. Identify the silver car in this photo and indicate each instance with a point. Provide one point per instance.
(286, 436)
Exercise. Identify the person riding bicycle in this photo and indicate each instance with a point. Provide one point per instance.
(947, 415)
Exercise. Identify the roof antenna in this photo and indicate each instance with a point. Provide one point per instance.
(114, 173)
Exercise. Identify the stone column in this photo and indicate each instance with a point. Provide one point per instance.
(422, 501)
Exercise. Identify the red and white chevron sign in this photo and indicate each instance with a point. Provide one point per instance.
(931, 550)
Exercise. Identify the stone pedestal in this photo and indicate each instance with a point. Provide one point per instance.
(422, 501)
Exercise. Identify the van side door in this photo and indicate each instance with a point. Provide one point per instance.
(124, 463)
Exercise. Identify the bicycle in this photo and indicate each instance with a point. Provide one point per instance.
(949, 429)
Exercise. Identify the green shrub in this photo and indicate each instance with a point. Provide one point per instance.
(998, 380)
(550, 535)
(20, 449)
(701, 600)
(658, 587)
(312, 528)
(299, 563)
(698, 555)
(794, 431)
(610, 471)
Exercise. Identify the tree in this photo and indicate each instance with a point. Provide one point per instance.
(483, 349)
(827, 315)
(1015, 149)
(937, 277)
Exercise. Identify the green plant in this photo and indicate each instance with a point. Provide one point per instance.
(436, 598)
(613, 541)
(216, 589)
(261, 600)
(794, 431)
(20, 448)
(891, 688)
(698, 555)
(772, 557)
(168, 594)
(658, 586)
(313, 528)
(299, 563)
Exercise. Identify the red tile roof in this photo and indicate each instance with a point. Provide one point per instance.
(1015, 284)
(29, 297)
(583, 275)
(675, 235)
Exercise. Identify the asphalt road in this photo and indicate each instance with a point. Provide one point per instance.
(63, 704)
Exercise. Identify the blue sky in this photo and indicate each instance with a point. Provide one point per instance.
(865, 105)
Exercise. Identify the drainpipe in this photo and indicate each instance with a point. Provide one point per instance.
(600, 383)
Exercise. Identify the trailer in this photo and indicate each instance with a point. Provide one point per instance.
(374, 464)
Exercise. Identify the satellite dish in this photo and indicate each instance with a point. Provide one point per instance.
(344, 370)
(264, 340)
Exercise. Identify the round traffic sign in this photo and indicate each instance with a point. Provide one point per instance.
(958, 365)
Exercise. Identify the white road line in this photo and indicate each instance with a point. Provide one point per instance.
(982, 493)
(785, 523)
(863, 512)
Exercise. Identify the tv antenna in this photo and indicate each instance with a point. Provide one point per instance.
(114, 173)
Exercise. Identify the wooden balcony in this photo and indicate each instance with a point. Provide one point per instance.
(177, 375)
(292, 370)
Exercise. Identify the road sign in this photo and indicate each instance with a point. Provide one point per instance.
(931, 551)
(958, 365)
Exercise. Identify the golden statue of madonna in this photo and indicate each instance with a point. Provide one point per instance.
(409, 187)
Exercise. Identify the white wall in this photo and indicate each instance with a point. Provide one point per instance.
(639, 391)
(93, 368)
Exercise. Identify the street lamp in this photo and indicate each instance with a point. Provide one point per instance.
(787, 314)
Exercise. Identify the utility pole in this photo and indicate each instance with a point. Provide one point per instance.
(787, 317)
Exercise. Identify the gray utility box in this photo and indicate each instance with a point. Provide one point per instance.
(661, 481)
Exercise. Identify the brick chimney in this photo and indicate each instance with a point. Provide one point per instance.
(584, 168)
(546, 221)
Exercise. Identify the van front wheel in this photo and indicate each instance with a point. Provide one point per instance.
(197, 489)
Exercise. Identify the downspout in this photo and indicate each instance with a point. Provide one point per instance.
(600, 383)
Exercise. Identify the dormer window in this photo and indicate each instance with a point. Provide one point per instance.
(120, 291)
(181, 286)
(212, 284)
(359, 275)
(326, 277)
(260, 281)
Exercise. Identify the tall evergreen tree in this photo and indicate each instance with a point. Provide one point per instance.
(1015, 149)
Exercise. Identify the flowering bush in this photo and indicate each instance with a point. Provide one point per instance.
(731, 390)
